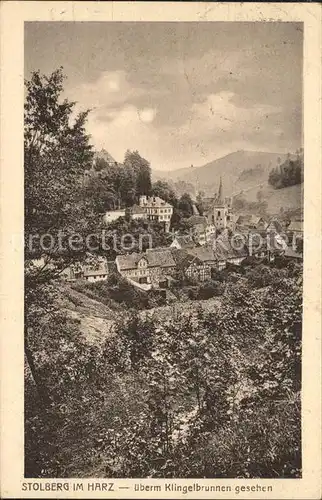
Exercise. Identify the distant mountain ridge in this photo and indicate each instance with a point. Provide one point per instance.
(229, 167)
(244, 172)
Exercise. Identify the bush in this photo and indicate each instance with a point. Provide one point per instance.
(210, 289)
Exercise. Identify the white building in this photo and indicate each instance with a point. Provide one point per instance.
(113, 215)
(157, 209)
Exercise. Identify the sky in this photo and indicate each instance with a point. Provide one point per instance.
(179, 93)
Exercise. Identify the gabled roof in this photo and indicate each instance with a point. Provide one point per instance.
(185, 240)
(156, 258)
(296, 226)
(136, 209)
(182, 258)
(196, 220)
(227, 248)
(275, 225)
(249, 219)
(160, 258)
(204, 253)
(127, 261)
(157, 202)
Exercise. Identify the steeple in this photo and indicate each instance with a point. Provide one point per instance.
(220, 191)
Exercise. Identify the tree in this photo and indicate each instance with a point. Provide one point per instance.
(142, 170)
(288, 173)
(56, 154)
(200, 202)
(185, 205)
(164, 191)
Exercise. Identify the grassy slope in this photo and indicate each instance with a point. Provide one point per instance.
(230, 167)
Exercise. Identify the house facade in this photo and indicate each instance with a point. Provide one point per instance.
(149, 267)
(250, 221)
(295, 232)
(90, 273)
(182, 241)
(201, 231)
(191, 265)
(136, 212)
(157, 209)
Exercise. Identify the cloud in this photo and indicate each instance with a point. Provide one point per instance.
(189, 107)
(213, 127)
(147, 115)
(109, 90)
(125, 128)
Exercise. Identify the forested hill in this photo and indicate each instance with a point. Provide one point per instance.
(230, 167)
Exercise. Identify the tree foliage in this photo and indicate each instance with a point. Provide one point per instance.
(289, 173)
(189, 395)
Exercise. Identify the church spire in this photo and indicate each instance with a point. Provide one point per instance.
(220, 191)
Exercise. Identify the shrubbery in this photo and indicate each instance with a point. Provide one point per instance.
(289, 173)
(199, 395)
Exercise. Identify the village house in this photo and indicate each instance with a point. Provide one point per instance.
(91, 273)
(291, 254)
(157, 209)
(201, 231)
(182, 241)
(191, 265)
(257, 243)
(250, 221)
(136, 212)
(113, 215)
(149, 267)
(205, 254)
(276, 236)
(295, 232)
(228, 249)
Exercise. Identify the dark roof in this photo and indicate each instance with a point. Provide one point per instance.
(156, 258)
(295, 226)
(111, 266)
(199, 228)
(289, 252)
(229, 248)
(185, 240)
(136, 209)
(160, 258)
(249, 220)
(204, 253)
(276, 225)
(127, 261)
(182, 258)
(196, 220)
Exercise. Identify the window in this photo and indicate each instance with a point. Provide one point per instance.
(218, 213)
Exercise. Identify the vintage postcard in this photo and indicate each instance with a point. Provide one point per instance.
(161, 250)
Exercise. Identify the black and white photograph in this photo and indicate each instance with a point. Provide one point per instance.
(163, 243)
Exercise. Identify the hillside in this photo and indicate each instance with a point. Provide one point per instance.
(230, 167)
(244, 172)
